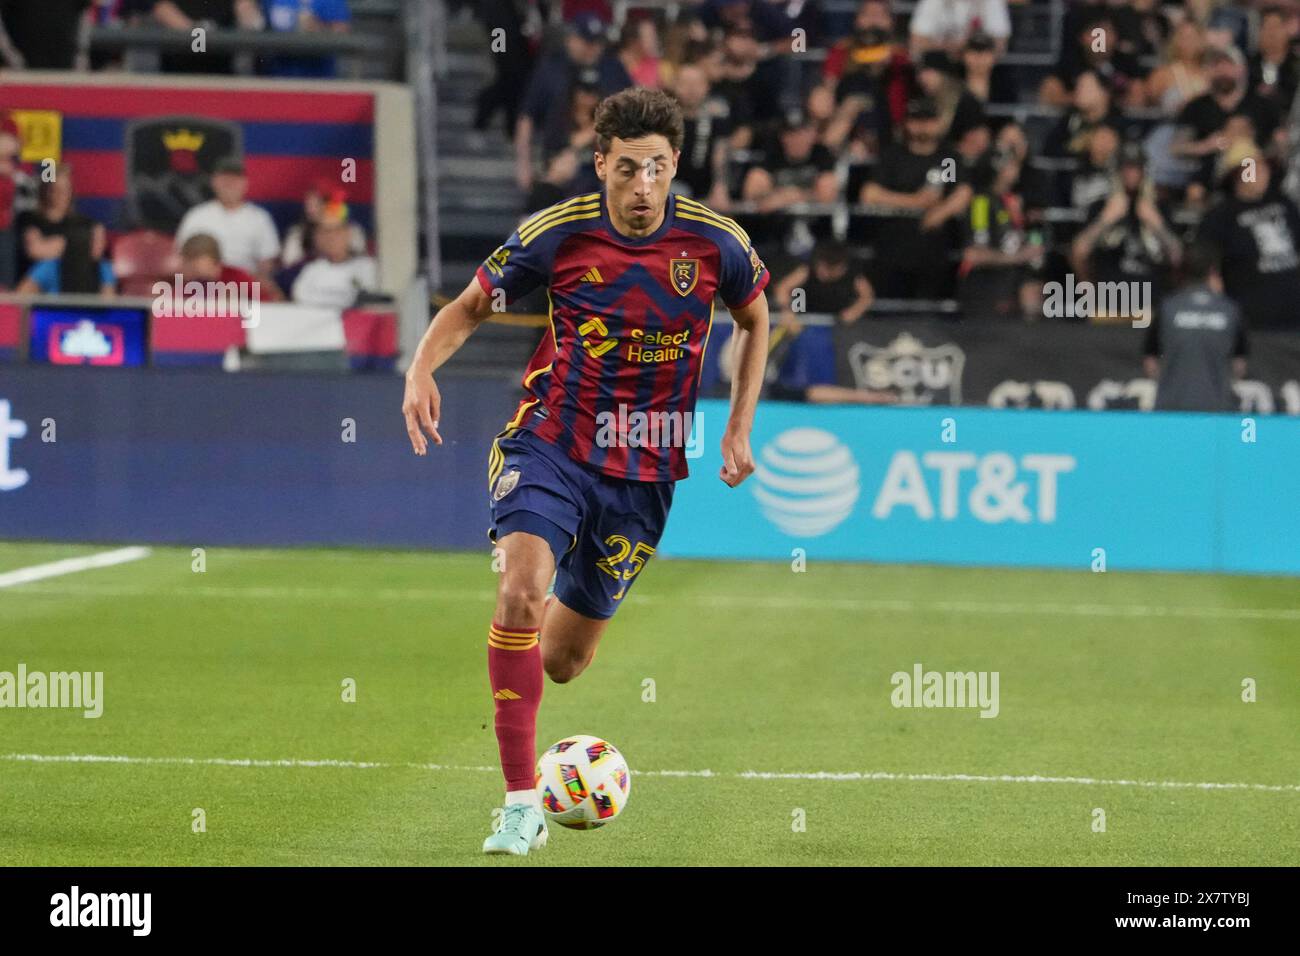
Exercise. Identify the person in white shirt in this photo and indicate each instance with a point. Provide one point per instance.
(336, 277)
(945, 24)
(245, 232)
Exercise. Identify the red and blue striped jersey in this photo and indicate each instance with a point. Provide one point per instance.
(614, 381)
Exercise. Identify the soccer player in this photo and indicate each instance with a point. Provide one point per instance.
(579, 485)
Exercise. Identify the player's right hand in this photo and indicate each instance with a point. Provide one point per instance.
(420, 408)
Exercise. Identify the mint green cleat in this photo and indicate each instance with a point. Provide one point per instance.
(523, 828)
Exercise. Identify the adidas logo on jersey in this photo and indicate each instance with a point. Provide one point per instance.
(593, 275)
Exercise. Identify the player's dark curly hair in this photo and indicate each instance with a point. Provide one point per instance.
(637, 112)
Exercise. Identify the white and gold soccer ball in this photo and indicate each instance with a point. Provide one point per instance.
(583, 782)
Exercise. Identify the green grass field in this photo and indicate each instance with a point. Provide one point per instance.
(1127, 684)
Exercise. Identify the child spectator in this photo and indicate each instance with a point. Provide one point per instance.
(336, 277)
(298, 243)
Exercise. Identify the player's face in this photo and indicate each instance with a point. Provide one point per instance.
(637, 174)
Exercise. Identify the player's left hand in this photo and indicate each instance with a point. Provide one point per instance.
(737, 460)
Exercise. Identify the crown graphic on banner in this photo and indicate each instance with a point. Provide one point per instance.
(183, 139)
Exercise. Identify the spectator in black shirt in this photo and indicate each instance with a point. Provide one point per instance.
(1003, 250)
(1032, 186)
(1091, 181)
(871, 77)
(797, 169)
(827, 285)
(187, 14)
(1127, 239)
(702, 166)
(1141, 27)
(1203, 122)
(1090, 108)
(736, 85)
(961, 114)
(1256, 230)
(512, 65)
(43, 232)
(44, 32)
(918, 178)
(978, 58)
(1274, 71)
(1098, 53)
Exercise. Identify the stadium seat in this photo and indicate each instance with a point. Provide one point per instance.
(141, 258)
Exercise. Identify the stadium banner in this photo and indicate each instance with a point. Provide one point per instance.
(1056, 365)
(201, 458)
(140, 154)
(979, 486)
(1000, 365)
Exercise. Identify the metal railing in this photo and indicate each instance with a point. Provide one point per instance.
(143, 45)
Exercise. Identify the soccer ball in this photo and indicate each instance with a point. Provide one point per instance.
(583, 782)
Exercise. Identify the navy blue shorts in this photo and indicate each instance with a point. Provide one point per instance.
(601, 529)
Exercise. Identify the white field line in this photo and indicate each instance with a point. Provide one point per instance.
(878, 775)
(39, 572)
(1044, 608)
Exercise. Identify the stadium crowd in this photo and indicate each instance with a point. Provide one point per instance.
(44, 35)
(891, 158)
(967, 150)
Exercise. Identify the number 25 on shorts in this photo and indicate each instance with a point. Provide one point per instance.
(624, 551)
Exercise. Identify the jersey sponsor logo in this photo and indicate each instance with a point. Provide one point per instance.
(652, 347)
(644, 347)
(595, 337)
(592, 275)
(505, 484)
(684, 274)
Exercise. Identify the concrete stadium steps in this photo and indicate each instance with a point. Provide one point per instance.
(479, 204)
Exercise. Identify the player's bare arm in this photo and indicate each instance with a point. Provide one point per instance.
(447, 332)
(751, 360)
